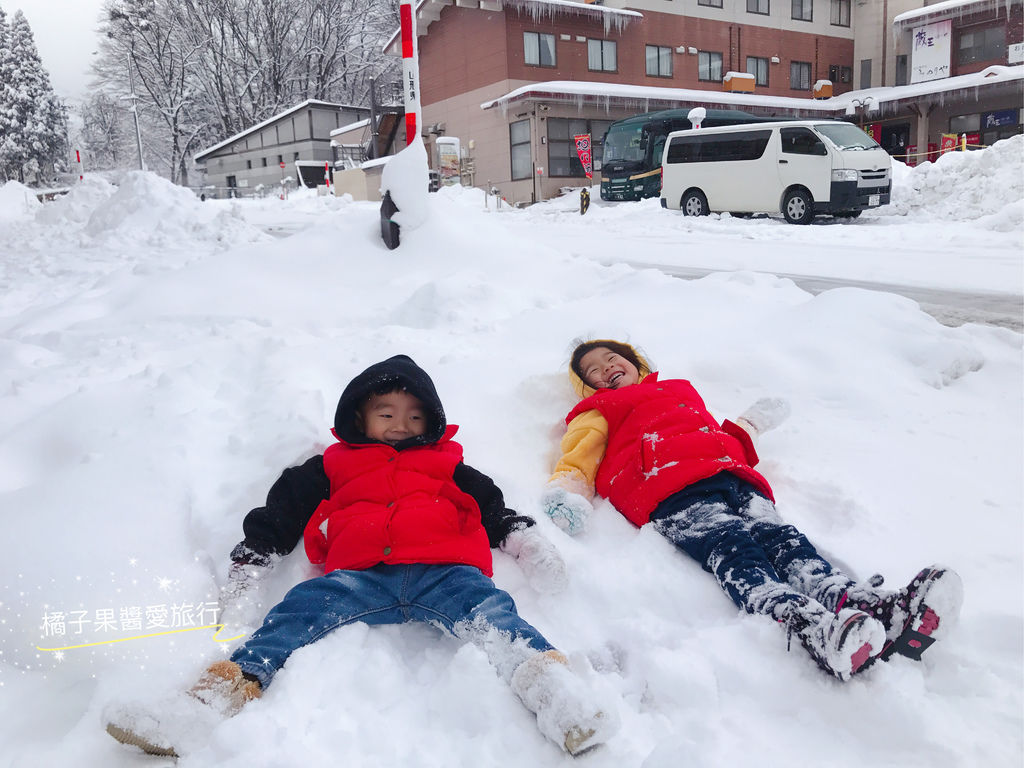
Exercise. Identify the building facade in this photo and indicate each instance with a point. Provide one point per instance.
(515, 80)
(275, 150)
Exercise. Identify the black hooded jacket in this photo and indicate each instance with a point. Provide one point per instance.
(276, 527)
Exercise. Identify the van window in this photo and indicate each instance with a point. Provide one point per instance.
(704, 148)
(801, 141)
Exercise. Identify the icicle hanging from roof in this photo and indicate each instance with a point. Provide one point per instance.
(538, 10)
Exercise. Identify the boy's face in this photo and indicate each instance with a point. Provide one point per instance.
(392, 417)
(604, 369)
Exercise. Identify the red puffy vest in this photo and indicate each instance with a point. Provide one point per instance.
(389, 506)
(662, 439)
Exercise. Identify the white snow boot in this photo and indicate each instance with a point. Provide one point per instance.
(565, 708)
(185, 718)
(917, 615)
(842, 643)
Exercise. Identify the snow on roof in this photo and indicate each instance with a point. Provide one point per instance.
(242, 134)
(937, 8)
(351, 127)
(582, 90)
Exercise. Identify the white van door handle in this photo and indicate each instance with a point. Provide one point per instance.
(783, 161)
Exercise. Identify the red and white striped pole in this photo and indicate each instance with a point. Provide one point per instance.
(78, 162)
(327, 174)
(410, 70)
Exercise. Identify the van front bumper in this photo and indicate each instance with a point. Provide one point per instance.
(848, 196)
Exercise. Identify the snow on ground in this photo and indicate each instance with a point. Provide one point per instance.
(163, 359)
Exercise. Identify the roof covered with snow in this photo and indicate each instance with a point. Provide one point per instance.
(582, 91)
(944, 9)
(351, 127)
(270, 121)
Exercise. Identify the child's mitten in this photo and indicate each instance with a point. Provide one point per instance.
(239, 605)
(767, 413)
(541, 563)
(569, 511)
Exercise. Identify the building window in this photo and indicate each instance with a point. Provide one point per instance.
(711, 3)
(800, 75)
(248, 165)
(838, 74)
(263, 160)
(758, 67)
(902, 71)
(280, 159)
(659, 61)
(539, 49)
(519, 145)
(709, 66)
(563, 160)
(758, 6)
(982, 45)
(865, 73)
(803, 10)
(601, 56)
(840, 13)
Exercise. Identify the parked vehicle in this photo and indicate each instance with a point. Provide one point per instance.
(631, 161)
(800, 169)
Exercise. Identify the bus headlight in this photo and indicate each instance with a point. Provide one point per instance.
(844, 174)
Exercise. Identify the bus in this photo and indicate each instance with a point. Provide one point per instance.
(631, 165)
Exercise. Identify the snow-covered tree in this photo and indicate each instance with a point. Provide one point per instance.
(34, 121)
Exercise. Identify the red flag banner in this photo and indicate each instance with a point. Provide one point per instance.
(583, 150)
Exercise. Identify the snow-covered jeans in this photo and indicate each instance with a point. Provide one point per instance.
(457, 598)
(734, 532)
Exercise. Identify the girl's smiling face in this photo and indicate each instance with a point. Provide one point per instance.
(604, 369)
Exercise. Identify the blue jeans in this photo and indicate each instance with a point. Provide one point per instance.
(734, 532)
(457, 598)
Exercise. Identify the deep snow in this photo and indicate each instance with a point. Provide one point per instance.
(163, 359)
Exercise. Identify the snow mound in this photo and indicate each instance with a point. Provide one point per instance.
(17, 202)
(151, 210)
(77, 206)
(986, 186)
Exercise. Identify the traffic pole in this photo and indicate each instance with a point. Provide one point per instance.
(78, 162)
(389, 230)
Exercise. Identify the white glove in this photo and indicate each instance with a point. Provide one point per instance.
(569, 511)
(767, 413)
(240, 603)
(543, 567)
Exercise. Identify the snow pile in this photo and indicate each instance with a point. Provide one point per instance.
(150, 209)
(75, 208)
(150, 396)
(405, 177)
(986, 185)
(17, 202)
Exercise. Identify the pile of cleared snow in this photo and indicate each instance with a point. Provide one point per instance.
(983, 185)
(77, 206)
(17, 202)
(150, 210)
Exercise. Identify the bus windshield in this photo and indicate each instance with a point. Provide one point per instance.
(622, 143)
(847, 136)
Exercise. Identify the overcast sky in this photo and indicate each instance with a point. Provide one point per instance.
(65, 33)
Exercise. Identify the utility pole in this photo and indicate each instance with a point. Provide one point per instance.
(135, 112)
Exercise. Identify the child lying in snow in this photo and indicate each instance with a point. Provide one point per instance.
(404, 529)
(651, 448)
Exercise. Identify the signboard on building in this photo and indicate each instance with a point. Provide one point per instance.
(1015, 54)
(448, 156)
(998, 119)
(930, 52)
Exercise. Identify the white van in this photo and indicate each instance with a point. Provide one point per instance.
(800, 168)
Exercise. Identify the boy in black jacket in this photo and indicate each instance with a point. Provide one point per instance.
(404, 528)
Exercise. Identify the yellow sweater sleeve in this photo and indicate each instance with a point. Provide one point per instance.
(583, 447)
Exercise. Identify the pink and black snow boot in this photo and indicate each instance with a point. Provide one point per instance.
(914, 617)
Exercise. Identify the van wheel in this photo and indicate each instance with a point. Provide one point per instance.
(694, 203)
(798, 208)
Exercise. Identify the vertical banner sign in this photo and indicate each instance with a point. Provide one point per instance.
(583, 150)
(410, 70)
(947, 143)
(930, 52)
